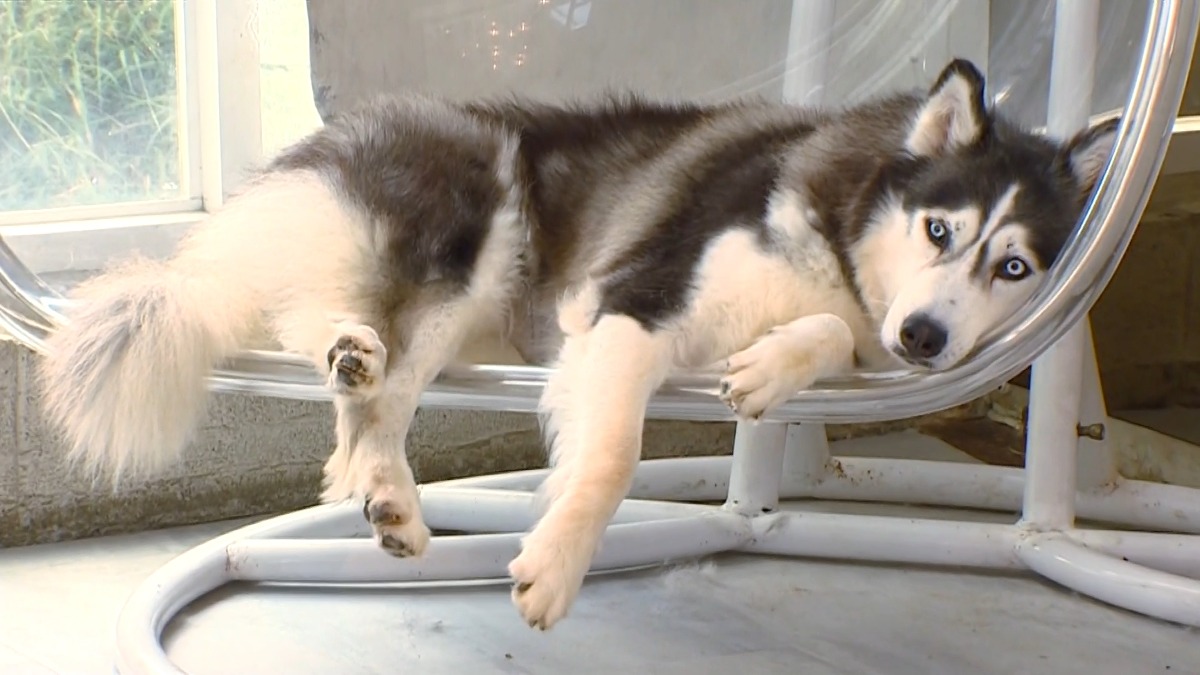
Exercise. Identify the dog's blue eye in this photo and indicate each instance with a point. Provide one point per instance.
(1013, 269)
(938, 232)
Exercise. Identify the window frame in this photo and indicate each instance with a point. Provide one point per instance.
(220, 136)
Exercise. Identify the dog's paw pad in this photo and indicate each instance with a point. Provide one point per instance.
(356, 361)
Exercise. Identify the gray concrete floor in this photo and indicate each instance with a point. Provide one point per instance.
(59, 602)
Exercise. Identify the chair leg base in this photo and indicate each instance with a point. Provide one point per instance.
(673, 517)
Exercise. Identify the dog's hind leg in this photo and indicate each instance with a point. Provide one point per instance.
(377, 370)
(313, 330)
(377, 388)
(596, 409)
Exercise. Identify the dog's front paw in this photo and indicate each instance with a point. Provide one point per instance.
(766, 374)
(356, 361)
(547, 577)
(397, 523)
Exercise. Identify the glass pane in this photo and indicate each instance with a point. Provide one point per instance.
(88, 105)
(707, 49)
(1021, 37)
(285, 90)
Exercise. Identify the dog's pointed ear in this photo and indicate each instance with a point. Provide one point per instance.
(953, 115)
(1086, 153)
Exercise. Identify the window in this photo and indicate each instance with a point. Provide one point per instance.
(123, 121)
(90, 106)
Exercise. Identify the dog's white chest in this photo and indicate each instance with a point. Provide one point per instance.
(744, 288)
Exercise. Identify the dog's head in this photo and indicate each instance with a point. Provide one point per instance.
(976, 213)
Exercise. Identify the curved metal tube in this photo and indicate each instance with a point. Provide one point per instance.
(328, 544)
(1074, 284)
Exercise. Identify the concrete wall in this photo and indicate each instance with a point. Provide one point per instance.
(1147, 322)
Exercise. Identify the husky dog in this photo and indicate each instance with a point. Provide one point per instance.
(615, 241)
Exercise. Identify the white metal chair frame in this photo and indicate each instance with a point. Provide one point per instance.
(1152, 567)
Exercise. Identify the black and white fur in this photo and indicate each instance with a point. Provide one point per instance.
(616, 241)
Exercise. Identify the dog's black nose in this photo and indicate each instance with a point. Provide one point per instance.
(922, 337)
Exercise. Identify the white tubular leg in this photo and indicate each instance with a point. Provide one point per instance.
(1073, 65)
(1108, 579)
(1054, 400)
(1052, 435)
(806, 457)
(806, 69)
(757, 468)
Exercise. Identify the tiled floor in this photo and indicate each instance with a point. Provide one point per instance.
(734, 613)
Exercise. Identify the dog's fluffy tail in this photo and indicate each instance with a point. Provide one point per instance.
(125, 381)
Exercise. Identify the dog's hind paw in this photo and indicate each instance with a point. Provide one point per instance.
(399, 528)
(356, 361)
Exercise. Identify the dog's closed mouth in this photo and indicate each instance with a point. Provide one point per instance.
(911, 360)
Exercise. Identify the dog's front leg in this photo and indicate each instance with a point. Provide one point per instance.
(598, 412)
(785, 360)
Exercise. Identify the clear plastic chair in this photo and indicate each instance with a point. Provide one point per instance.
(1069, 470)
